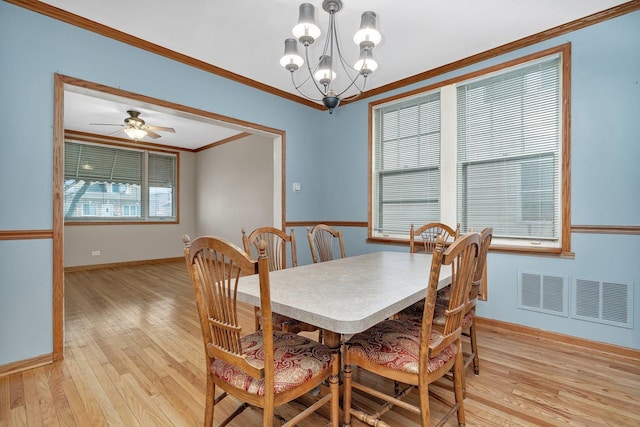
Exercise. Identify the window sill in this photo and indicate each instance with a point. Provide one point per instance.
(512, 250)
(124, 222)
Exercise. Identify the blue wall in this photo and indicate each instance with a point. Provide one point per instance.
(326, 154)
(605, 178)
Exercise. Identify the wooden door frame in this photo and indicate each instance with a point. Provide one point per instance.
(61, 83)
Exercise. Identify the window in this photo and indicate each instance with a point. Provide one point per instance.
(88, 209)
(509, 144)
(485, 150)
(407, 163)
(106, 183)
(130, 210)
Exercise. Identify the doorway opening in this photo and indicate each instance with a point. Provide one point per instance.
(70, 93)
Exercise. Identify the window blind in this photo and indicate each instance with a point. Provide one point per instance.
(407, 164)
(162, 170)
(95, 163)
(103, 181)
(509, 146)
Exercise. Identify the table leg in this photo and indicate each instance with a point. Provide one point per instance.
(331, 340)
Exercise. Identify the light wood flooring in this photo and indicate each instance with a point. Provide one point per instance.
(134, 357)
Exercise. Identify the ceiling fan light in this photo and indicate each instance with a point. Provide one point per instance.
(368, 35)
(291, 60)
(306, 30)
(135, 133)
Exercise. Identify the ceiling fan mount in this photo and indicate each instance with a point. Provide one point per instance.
(136, 128)
(134, 119)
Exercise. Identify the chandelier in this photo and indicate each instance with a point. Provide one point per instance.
(331, 61)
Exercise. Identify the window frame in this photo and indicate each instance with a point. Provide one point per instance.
(563, 247)
(144, 188)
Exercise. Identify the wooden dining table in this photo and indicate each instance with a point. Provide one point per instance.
(348, 295)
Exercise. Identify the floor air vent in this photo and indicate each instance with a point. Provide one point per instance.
(543, 293)
(603, 302)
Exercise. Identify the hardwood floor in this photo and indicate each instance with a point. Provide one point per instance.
(134, 357)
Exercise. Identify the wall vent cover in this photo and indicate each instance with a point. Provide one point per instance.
(603, 302)
(543, 292)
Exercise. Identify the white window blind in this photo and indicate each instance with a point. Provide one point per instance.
(406, 181)
(96, 163)
(162, 172)
(509, 146)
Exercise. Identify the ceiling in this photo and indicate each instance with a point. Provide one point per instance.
(87, 111)
(246, 38)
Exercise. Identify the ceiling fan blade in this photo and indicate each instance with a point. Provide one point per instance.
(105, 124)
(162, 128)
(118, 131)
(152, 134)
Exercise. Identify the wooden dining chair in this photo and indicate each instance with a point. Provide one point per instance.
(264, 369)
(276, 247)
(415, 354)
(423, 239)
(277, 242)
(469, 319)
(322, 242)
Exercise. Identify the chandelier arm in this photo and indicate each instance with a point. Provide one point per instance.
(355, 95)
(306, 54)
(349, 70)
(298, 86)
(353, 83)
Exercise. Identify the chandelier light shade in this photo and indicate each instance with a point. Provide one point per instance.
(331, 62)
(366, 61)
(368, 35)
(291, 60)
(135, 133)
(306, 29)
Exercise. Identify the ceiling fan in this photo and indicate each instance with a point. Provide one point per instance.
(135, 127)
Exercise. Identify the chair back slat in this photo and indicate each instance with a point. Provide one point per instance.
(322, 242)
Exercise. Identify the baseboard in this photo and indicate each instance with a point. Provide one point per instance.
(554, 336)
(121, 264)
(23, 365)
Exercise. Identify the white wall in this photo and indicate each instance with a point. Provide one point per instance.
(235, 188)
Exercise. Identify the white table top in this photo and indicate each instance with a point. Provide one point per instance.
(349, 295)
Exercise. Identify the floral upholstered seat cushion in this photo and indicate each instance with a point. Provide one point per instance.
(296, 360)
(396, 344)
